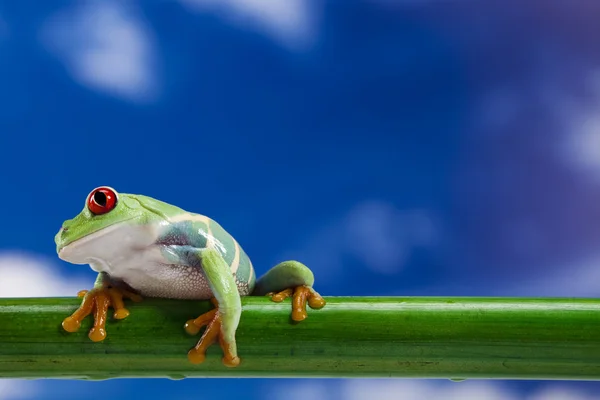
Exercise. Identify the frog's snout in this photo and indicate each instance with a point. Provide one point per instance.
(59, 238)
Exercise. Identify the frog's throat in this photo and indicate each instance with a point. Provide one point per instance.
(67, 249)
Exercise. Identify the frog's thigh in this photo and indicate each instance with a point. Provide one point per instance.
(288, 274)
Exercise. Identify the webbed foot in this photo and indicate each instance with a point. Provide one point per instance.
(212, 321)
(300, 296)
(98, 300)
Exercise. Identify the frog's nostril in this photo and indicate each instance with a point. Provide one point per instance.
(64, 228)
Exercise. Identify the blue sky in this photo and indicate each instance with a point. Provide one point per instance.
(397, 148)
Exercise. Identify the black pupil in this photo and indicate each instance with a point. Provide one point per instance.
(100, 199)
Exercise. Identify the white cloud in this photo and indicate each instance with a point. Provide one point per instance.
(413, 389)
(106, 46)
(418, 389)
(576, 279)
(26, 275)
(577, 118)
(581, 121)
(291, 22)
(558, 392)
(17, 389)
(583, 138)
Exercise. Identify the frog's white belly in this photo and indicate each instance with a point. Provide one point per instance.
(148, 272)
(169, 281)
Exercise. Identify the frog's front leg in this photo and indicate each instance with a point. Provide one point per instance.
(222, 322)
(291, 279)
(105, 293)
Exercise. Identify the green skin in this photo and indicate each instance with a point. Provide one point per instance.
(161, 250)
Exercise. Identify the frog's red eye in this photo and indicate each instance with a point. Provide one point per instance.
(101, 200)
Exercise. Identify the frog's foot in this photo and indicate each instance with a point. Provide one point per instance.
(212, 321)
(300, 296)
(98, 300)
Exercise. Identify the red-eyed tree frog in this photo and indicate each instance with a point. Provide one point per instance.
(141, 246)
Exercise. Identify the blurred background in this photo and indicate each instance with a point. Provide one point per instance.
(397, 147)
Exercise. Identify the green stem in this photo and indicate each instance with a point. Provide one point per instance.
(458, 338)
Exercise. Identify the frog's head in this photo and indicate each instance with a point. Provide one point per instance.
(107, 220)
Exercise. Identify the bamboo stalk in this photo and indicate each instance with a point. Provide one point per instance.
(423, 337)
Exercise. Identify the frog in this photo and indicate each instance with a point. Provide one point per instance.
(143, 247)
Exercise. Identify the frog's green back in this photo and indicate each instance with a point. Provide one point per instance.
(157, 207)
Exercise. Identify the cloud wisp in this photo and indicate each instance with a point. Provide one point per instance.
(412, 389)
(28, 275)
(106, 46)
(291, 23)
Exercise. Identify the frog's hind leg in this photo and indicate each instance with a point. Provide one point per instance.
(213, 320)
(290, 279)
(222, 322)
